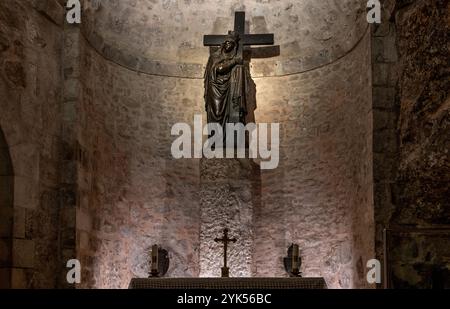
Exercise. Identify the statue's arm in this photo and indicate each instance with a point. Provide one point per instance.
(226, 66)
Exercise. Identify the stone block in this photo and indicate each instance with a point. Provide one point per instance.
(6, 222)
(26, 192)
(83, 240)
(68, 238)
(228, 198)
(70, 174)
(385, 167)
(72, 44)
(26, 160)
(5, 226)
(23, 253)
(15, 74)
(390, 49)
(383, 119)
(384, 97)
(84, 221)
(52, 9)
(224, 170)
(70, 111)
(6, 191)
(68, 254)
(385, 141)
(68, 215)
(381, 30)
(19, 279)
(5, 252)
(68, 197)
(5, 278)
(19, 222)
(5, 163)
(71, 89)
(380, 74)
(377, 49)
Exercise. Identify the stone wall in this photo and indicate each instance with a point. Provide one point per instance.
(423, 98)
(230, 195)
(385, 117)
(411, 141)
(321, 195)
(87, 118)
(86, 114)
(6, 213)
(133, 194)
(31, 39)
(165, 38)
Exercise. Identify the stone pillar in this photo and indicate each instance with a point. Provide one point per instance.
(230, 191)
(74, 157)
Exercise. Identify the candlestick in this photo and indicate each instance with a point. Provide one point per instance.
(295, 256)
(154, 268)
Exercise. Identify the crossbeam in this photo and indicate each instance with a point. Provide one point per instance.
(245, 39)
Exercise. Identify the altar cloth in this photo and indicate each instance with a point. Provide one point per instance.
(228, 283)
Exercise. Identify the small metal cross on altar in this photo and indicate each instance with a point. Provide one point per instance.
(225, 240)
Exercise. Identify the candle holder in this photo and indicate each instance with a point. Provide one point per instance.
(293, 261)
(159, 262)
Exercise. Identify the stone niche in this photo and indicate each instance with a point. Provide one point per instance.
(139, 76)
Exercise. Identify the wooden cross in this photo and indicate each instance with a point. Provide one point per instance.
(245, 39)
(225, 240)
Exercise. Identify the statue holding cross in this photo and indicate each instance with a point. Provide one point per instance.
(227, 76)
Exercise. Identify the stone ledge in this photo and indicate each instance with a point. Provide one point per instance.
(23, 253)
(274, 68)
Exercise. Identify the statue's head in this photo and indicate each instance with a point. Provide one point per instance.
(231, 41)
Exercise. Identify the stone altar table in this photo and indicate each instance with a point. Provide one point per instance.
(228, 283)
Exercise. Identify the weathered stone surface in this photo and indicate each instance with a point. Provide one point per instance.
(137, 195)
(5, 252)
(30, 88)
(5, 167)
(412, 163)
(6, 191)
(20, 278)
(19, 222)
(417, 259)
(6, 221)
(14, 73)
(52, 9)
(5, 278)
(23, 253)
(114, 163)
(306, 42)
(229, 196)
(320, 180)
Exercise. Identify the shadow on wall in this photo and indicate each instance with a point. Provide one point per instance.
(6, 213)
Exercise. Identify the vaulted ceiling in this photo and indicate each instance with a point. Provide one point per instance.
(172, 30)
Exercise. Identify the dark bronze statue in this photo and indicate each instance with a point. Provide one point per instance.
(228, 84)
(226, 77)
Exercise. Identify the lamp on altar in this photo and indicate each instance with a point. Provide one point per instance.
(293, 261)
(159, 262)
(154, 267)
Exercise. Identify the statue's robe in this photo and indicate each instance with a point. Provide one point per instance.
(225, 89)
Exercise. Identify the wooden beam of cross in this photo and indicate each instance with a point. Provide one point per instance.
(225, 240)
(245, 39)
